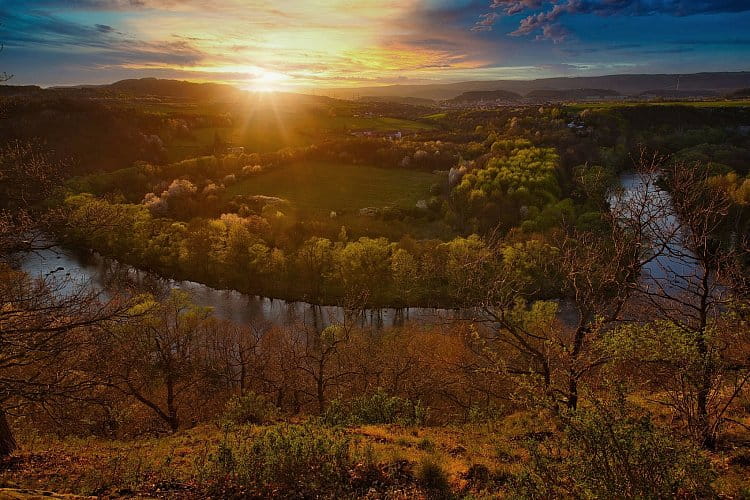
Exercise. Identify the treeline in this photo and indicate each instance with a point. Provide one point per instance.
(263, 245)
(239, 253)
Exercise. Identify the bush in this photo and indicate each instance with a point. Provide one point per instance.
(426, 444)
(378, 408)
(611, 452)
(285, 460)
(250, 408)
(432, 476)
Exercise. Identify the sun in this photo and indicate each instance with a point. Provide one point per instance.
(264, 80)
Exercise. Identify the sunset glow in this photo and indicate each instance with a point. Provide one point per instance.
(322, 44)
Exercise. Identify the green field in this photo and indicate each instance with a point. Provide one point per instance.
(316, 186)
(576, 107)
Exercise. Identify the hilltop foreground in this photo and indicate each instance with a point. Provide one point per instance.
(504, 458)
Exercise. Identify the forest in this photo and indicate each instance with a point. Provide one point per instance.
(594, 259)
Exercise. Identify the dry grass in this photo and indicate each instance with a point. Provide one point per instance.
(168, 467)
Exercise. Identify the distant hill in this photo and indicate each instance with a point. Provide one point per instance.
(156, 87)
(172, 88)
(13, 90)
(486, 95)
(414, 101)
(739, 94)
(624, 84)
(572, 93)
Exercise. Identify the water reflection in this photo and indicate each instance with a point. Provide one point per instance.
(108, 274)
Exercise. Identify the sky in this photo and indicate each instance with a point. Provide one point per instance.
(318, 44)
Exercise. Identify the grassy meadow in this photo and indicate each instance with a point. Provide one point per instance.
(469, 461)
(321, 186)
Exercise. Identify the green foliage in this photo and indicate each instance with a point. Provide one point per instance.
(286, 460)
(612, 452)
(520, 175)
(250, 408)
(377, 408)
(656, 342)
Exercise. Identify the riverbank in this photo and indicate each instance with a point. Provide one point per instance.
(91, 269)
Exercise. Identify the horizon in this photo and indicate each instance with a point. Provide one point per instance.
(323, 45)
(311, 91)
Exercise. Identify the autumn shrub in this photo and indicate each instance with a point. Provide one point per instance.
(611, 451)
(286, 460)
(433, 477)
(377, 408)
(250, 408)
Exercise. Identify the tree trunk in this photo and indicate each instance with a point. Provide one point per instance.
(321, 395)
(7, 441)
(172, 420)
(572, 393)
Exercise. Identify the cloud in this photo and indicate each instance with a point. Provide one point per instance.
(543, 15)
(321, 42)
(511, 7)
(485, 22)
(102, 44)
(91, 5)
(555, 32)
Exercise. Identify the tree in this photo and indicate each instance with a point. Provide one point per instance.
(43, 321)
(325, 352)
(315, 262)
(365, 265)
(694, 283)
(27, 177)
(233, 354)
(157, 359)
(595, 273)
(45, 324)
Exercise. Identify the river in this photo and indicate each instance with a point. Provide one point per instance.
(89, 269)
(674, 268)
(75, 269)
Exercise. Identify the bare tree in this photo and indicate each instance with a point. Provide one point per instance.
(157, 359)
(233, 354)
(43, 321)
(44, 324)
(595, 272)
(697, 277)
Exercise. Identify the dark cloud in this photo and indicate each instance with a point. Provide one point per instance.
(94, 5)
(543, 15)
(554, 32)
(511, 7)
(46, 32)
